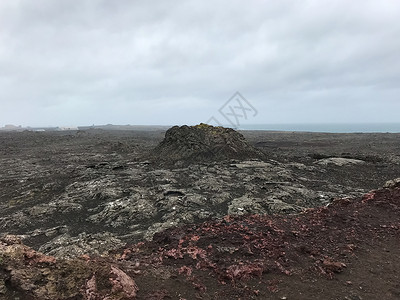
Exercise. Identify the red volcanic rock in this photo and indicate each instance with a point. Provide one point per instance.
(90, 291)
(333, 266)
(32, 275)
(122, 283)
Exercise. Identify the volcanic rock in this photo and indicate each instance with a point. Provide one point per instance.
(323, 253)
(392, 183)
(340, 162)
(204, 143)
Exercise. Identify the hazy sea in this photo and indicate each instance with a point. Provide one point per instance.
(332, 128)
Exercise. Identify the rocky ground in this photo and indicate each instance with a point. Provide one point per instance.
(347, 250)
(68, 194)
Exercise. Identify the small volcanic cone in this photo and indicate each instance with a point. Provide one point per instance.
(204, 143)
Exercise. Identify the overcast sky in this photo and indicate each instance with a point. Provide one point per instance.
(66, 62)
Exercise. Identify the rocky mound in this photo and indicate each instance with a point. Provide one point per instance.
(204, 143)
(353, 241)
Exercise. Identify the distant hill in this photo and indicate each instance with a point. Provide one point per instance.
(125, 127)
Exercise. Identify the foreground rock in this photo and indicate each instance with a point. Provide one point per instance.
(355, 241)
(27, 274)
(188, 144)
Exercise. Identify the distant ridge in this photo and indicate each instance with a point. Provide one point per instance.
(327, 127)
(101, 127)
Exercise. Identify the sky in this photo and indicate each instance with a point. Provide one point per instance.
(66, 63)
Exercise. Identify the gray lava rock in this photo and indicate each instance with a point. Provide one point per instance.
(203, 143)
(66, 246)
(340, 162)
(122, 212)
(392, 183)
(245, 205)
(248, 205)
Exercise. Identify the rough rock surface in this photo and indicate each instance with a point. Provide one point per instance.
(188, 144)
(348, 250)
(340, 161)
(70, 193)
(27, 274)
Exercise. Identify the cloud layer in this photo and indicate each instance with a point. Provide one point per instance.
(173, 62)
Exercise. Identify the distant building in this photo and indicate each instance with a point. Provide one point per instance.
(10, 127)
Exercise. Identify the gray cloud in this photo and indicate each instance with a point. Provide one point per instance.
(173, 62)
